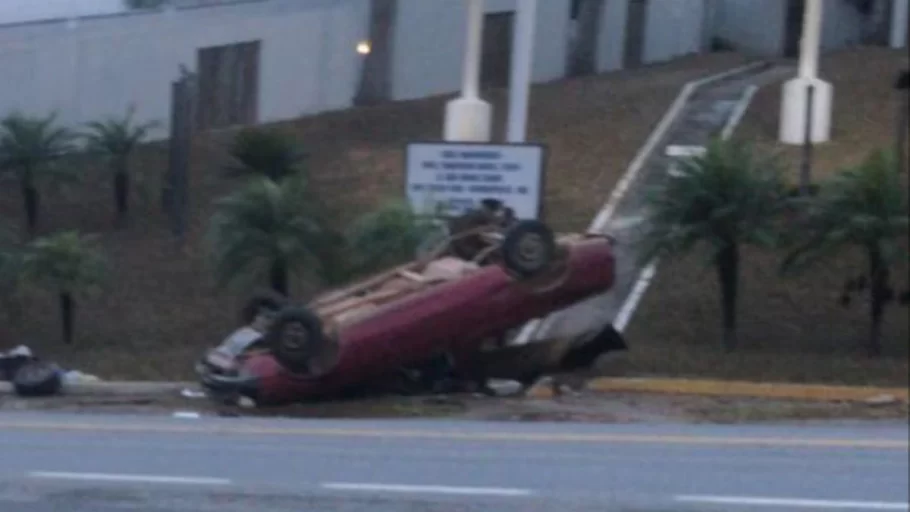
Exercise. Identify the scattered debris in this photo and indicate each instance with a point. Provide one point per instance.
(34, 377)
(878, 400)
(192, 393)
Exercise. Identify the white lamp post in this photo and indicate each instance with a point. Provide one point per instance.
(522, 60)
(795, 97)
(469, 118)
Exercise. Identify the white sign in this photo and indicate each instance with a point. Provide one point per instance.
(455, 177)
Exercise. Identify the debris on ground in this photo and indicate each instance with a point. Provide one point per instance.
(31, 376)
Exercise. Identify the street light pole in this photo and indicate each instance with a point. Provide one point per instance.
(796, 96)
(522, 60)
(469, 118)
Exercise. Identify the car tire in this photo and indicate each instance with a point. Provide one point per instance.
(294, 357)
(528, 249)
(38, 378)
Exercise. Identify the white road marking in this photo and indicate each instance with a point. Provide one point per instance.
(147, 479)
(624, 315)
(679, 151)
(427, 489)
(745, 501)
(626, 222)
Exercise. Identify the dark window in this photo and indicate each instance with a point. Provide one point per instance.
(228, 85)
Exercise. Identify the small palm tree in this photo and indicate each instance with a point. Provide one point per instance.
(30, 148)
(115, 140)
(863, 207)
(67, 264)
(267, 230)
(727, 198)
(10, 257)
(389, 236)
(264, 152)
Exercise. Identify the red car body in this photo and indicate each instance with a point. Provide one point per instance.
(456, 316)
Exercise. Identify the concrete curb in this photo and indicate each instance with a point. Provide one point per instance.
(740, 389)
(701, 387)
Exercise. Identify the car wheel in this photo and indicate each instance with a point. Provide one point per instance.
(528, 248)
(295, 338)
(38, 378)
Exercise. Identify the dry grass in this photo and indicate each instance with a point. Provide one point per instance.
(160, 309)
(790, 329)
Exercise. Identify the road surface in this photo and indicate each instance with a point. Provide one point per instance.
(157, 464)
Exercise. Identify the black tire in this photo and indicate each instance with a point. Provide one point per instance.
(38, 378)
(528, 248)
(295, 357)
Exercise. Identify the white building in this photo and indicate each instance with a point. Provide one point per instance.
(430, 40)
(639, 32)
(773, 27)
(269, 60)
(289, 57)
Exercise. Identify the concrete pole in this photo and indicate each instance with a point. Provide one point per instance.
(469, 118)
(795, 111)
(900, 12)
(470, 85)
(522, 60)
(811, 39)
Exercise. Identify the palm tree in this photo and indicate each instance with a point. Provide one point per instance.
(68, 264)
(264, 152)
(267, 230)
(389, 236)
(863, 207)
(30, 148)
(725, 199)
(902, 86)
(115, 139)
(10, 257)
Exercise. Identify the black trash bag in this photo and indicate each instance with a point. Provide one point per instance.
(9, 365)
(38, 378)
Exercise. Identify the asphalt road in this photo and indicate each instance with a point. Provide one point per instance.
(153, 464)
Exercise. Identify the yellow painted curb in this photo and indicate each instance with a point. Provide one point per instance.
(807, 392)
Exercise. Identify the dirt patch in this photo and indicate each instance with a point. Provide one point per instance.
(790, 330)
(160, 309)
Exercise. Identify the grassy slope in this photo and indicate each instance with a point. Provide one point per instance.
(790, 329)
(161, 310)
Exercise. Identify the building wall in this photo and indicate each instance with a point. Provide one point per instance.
(98, 66)
(899, 21)
(612, 37)
(842, 25)
(754, 27)
(673, 29)
(430, 40)
(758, 27)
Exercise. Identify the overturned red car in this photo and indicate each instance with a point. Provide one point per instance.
(414, 312)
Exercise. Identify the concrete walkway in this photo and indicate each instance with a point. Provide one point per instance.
(703, 117)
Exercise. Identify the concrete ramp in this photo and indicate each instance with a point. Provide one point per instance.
(703, 111)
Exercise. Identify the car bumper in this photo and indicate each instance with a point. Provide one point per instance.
(240, 383)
